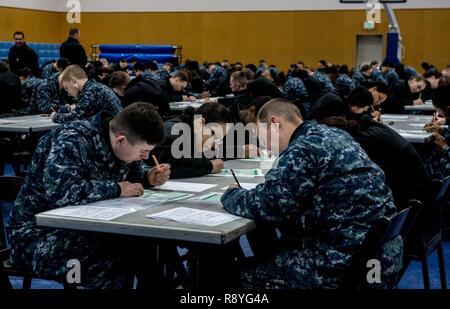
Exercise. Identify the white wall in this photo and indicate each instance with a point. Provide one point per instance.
(44, 5)
(208, 5)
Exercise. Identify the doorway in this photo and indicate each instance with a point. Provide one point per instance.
(368, 48)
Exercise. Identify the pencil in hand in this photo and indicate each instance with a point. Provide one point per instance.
(235, 178)
(155, 160)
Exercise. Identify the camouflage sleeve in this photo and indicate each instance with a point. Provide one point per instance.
(139, 173)
(76, 114)
(286, 186)
(65, 179)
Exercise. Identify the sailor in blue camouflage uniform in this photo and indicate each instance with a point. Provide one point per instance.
(438, 163)
(325, 82)
(29, 86)
(322, 195)
(79, 163)
(49, 70)
(218, 78)
(344, 84)
(295, 91)
(388, 74)
(48, 96)
(92, 97)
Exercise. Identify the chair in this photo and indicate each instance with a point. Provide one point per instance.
(10, 187)
(381, 232)
(426, 234)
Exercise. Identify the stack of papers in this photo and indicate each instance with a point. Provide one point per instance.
(91, 212)
(253, 172)
(245, 185)
(167, 195)
(194, 216)
(185, 186)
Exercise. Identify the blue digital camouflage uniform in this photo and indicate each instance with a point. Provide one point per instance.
(325, 83)
(358, 78)
(72, 165)
(389, 78)
(344, 84)
(94, 98)
(47, 95)
(218, 76)
(160, 74)
(321, 195)
(30, 85)
(48, 71)
(294, 89)
(438, 164)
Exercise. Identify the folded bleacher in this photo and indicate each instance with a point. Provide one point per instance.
(46, 51)
(141, 53)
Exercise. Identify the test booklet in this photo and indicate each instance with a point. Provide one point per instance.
(194, 216)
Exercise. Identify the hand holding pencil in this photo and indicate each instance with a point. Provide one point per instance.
(159, 174)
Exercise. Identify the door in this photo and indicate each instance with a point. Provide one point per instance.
(368, 48)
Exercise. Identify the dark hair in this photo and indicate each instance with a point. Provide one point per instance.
(3, 67)
(252, 67)
(139, 66)
(62, 63)
(25, 72)
(365, 68)
(331, 70)
(360, 97)
(387, 64)
(140, 122)
(73, 31)
(351, 126)
(381, 87)
(182, 76)
(152, 66)
(441, 98)
(418, 78)
(118, 78)
(431, 73)
(323, 62)
(258, 102)
(19, 33)
(343, 69)
(211, 112)
(374, 62)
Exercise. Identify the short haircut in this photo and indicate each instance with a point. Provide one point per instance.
(447, 67)
(240, 78)
(211, 112)
(73, 71)
(360, 97)
(249, 74)
(418, 78)
(433, 73)
(443, 81)
(182, 76)
(374, 62)
(139, 122)
(258, 102)
(73, 31)
(4, 67)
(441, 99)
(281, 108)
(139, 66)
(119, 79)
(19, 33)
(25, 72)
(63, 63)
(365, 68)
(152, 66)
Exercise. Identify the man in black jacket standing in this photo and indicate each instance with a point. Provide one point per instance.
(73, 50)
(22, 56)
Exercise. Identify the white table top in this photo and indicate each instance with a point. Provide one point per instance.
(410, 127)
(138, 224)
(422, 108)
(32, 123)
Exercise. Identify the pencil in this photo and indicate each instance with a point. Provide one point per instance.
(155, 160)
(235, 178)
(53, 109)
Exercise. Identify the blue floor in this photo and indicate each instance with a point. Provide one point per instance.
(412, 279)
